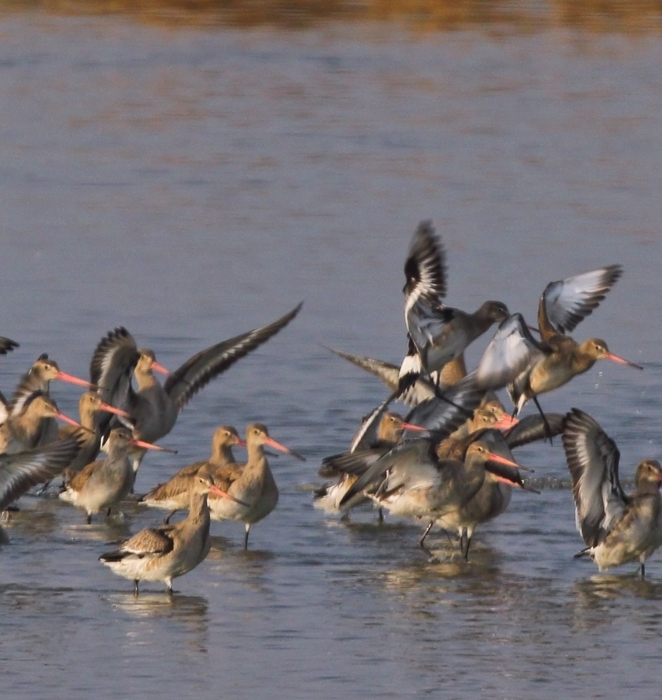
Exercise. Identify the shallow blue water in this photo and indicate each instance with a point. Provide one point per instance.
(192, 185)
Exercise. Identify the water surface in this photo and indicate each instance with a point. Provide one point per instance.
(192, 183)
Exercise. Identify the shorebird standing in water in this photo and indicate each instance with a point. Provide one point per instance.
(617, 528)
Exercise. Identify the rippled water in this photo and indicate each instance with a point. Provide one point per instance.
(192, 184)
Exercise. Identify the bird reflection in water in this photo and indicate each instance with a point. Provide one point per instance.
(190, 613)
(251, 569)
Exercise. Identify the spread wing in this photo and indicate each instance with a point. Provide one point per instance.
(569, 301)
(389, 374)
(21, 471)
(445, 416)
(197, 371)
(532, 428)
(425, 267)
(508, 354)
(368, 433)
(7, 345)
(352, 463)
(592, 458)
(111, 368)
(408, 456)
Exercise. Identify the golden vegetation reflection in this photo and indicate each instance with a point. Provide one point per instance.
(617, 16)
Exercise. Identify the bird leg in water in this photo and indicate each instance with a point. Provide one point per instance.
(421, 542)
(465, 543)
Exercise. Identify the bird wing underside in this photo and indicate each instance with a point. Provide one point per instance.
(569, 301)
(425, 267)
(593, 459)
(21, 471)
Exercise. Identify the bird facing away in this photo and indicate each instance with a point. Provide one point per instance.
(163, 553)
(618, 528)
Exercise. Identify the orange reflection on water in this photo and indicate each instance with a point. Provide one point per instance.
(611, 16)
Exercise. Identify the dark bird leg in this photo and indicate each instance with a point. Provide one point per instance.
(467, 544)
(548, 429)
(421, 541)
(248, 529)
(440, 395)
(135, 587)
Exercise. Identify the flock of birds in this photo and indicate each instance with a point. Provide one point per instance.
(449, 462)
(461, 472)
(123, 412)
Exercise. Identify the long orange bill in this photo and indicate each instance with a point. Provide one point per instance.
(74, 380)
(149, 446)
(502, 460)
(241, 443)
(411, 426)
(223, 494)
(159, 368)
(519, 484)
(112, 409)
(505, 422)
(277, 446)
(621, 361)
(71, 421)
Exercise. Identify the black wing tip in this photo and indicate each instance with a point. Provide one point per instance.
(578, 420)
(426, 249)
(7, 345)
(115, 555)
(613, 273)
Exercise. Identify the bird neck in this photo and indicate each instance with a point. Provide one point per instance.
(256, 458)
(222, 456)
(145, 378)
(582, 360)
(198, 508)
